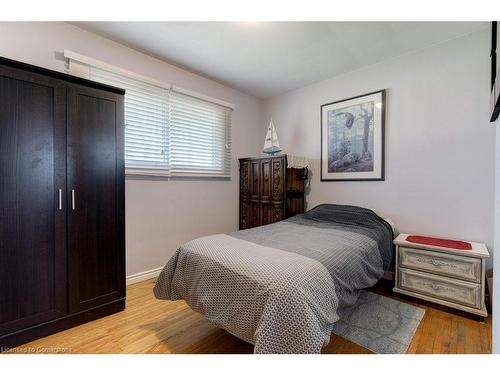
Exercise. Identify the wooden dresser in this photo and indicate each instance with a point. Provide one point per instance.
(269, 192)
(453, 278)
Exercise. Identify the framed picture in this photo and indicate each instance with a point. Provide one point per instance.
(352, 138)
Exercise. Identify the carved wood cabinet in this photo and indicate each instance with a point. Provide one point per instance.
(269, 192)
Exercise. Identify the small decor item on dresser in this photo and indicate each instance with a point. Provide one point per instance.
(438, 273)
(271, 144)
(352, 138)
(451, 244)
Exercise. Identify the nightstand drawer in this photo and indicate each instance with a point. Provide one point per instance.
(462, 267)
(457, 291)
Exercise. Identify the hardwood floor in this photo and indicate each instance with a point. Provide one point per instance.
(151, 326)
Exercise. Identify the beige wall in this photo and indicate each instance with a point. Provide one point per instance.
(440, 146)
(160, 214)
(439, 143)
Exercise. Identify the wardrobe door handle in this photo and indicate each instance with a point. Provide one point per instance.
(59, 196)
(73, 199)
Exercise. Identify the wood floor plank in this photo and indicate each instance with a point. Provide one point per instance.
(149, 325)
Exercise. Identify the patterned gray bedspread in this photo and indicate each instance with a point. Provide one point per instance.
(282, 286)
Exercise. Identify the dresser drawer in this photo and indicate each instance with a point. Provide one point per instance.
(462, 267)
(457, 291)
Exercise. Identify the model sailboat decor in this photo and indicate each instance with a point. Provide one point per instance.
(271, 145)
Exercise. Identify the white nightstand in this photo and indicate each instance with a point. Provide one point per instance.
(454, 278)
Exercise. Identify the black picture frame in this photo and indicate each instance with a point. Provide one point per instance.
(495, 74)
(381, 176)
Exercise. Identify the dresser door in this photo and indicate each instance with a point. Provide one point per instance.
(244, 213)
(244, 195)
(267, 213)
(278, 189)
(245, 179)
(255, 179)
(255, 213)
(265, 180)
(95, 197)
(32, 223)
(278, 179)
(278, 213)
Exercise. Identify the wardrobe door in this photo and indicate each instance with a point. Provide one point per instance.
(95, 197)
(32, 216)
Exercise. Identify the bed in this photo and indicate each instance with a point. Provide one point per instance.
(282, 286)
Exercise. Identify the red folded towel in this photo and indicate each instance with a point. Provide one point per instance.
(452, 244)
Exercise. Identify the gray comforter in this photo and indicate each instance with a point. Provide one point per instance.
(282, 286)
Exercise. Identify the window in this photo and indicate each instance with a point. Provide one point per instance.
(200, 136)
(169, 130)
(146, 122)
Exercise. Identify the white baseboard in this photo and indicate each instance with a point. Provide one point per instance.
(145, 275)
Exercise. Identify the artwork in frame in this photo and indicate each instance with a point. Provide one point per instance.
(352, 138)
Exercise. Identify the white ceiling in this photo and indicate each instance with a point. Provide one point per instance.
(269, 58)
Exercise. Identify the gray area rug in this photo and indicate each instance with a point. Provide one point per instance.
(380, 324)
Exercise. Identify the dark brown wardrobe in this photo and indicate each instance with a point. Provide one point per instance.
(62, 240)
(269, 191)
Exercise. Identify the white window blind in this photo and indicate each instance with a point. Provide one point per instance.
(168, 131)
(200, 134)
(147, 140)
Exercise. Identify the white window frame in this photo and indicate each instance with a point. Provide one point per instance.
(79, 65)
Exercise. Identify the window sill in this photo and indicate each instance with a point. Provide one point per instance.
(146, 172)
(142, 174)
